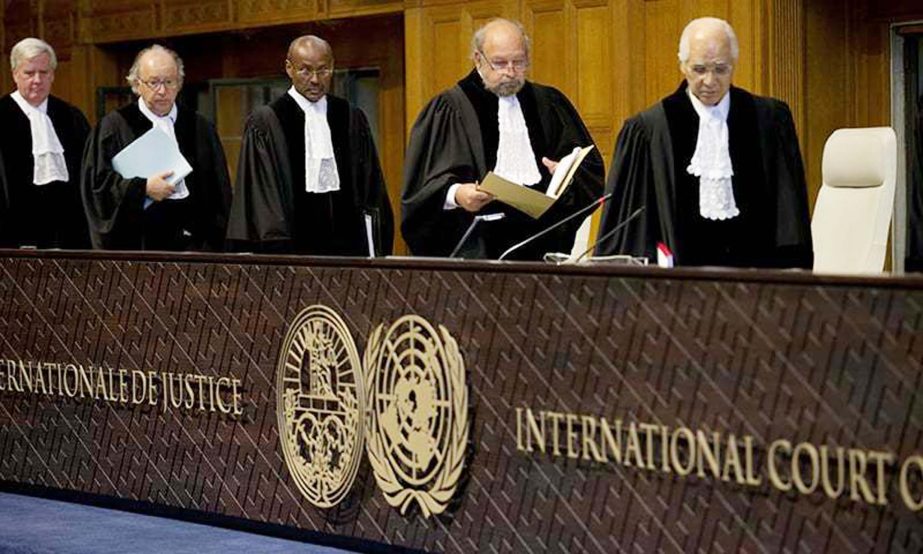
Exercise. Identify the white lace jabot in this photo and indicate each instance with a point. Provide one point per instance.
(711, 162)
(515, 157)
(320, 166)
(47, 152)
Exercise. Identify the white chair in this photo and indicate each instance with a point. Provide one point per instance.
(853, 211)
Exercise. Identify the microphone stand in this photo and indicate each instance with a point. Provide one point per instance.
(477, 219)
(596, 203)
(611, 232)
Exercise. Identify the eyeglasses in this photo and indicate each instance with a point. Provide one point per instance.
(500, 65)
(155, 84)
(719, 69)
(309, 73)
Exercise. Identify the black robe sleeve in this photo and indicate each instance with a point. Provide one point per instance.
(793, 243)
(370, 183)
(75, 231)
(632, 184)
(210, 188)
(439, 155)
(113, 204)
(262, 207)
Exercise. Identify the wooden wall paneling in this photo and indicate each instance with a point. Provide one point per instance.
(786, 50)
(437, 40)
(195, 16)
(353, 8)
(551, 25)
(278, 11)
(122, 20)
(749, 20)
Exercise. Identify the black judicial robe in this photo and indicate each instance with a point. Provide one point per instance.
(115, 205)
(454, 140)
(649, 169)
(273, 213)
(50, 215)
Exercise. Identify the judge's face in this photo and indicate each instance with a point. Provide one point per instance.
(160, 81)
(710, 67)
(33, 78)
(310, 67)
(503, 60)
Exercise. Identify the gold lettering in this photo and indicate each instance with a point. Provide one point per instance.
(859, 488)
(880, 459)
(533, 430)
(151, 382)
(797, 477)
(556, 419)
(611, 440)
(679, 468)
(123, 386)
(70, 370)
(572, 437)
(236, 398)
(829, 490)
(4, 364)
(634, 447)
(648, 430)
(101, 385)
(39, 378)
(710, 454)
(732, 462)
(138, 383)
(753, 479)
(913, 504)
(774, 478)
(85, 383)
(12, 382)
(25, 378)
(519, 445)
(664, 449)
(200, 379)
(589, 440)
(190, 393)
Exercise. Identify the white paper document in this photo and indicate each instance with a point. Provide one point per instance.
(152, 153)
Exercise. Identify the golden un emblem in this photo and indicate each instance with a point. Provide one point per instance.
(417, 414)
(321, 398)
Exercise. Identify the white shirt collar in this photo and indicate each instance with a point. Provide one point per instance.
(154, 117)
(718, 111)
(43, 107)
(318, 107)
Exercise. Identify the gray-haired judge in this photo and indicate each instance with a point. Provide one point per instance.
(717, 169)
(153, 213)
(41, 145)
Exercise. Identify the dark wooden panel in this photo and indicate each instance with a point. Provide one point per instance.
(828, 361)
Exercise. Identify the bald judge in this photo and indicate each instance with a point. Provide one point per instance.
(717, 169)
(309, 180)
(493, 120)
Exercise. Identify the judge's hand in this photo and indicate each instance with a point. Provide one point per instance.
(550, 164)
(471, 198)
(157, 186)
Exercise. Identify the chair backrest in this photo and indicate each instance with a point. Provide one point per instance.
(853, 211)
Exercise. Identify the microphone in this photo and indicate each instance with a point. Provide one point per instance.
(611, 232)
(596, 203)
(477, 219)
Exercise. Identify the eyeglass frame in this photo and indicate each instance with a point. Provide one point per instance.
(507, 63)
(167, 84)
(303, 71)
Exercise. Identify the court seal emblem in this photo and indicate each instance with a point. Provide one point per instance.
(417, 420)
(320, 397)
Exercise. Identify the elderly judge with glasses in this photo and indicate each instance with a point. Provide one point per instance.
(493, 120)
(42, 143)
(158, 212)
(309, 179)
(717, 169)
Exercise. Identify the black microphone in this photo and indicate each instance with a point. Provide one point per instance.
(596, 203)
(611, 232)
(477, 220)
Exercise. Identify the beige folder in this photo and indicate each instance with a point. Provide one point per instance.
(533, 202)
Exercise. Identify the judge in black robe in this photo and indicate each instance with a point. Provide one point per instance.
(115, 205)
(49, 215)
(455, 140)
(273, 213)
(272, 210)
(648, 169)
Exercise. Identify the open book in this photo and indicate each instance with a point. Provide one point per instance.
(533, 202)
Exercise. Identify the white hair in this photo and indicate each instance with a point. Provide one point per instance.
(477, 40)
(28, 48)
(694, 24)
(134, 74)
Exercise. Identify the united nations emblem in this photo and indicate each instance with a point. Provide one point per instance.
(321, 399)
(417, 414)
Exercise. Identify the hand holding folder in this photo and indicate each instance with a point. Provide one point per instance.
(153, 153)
(533, 202)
